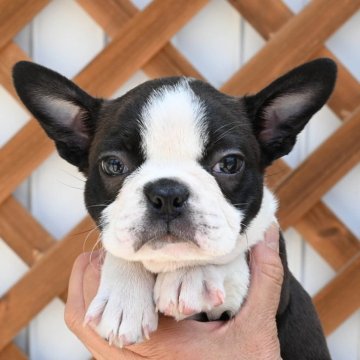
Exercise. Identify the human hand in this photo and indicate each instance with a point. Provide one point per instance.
(252, 334)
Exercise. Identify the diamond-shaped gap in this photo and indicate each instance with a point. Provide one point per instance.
(45, 331)
(11, 265)
(344, 341)
(296, 5)
(344, 199)
(322, 125)
(57, 200)
(345, 44)
(141, 4)
(315, 264)
(211, 41)
(12, 116)
(294, 250)
(65, 37)
(136, 79)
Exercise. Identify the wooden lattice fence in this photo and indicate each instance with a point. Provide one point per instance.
(291, 40)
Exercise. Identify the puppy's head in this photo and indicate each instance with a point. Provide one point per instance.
(174, 167)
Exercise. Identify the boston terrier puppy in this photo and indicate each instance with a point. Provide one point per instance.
(175, 181)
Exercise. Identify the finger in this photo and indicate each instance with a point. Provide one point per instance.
(75, 306)
(91, 279)
(266, 275)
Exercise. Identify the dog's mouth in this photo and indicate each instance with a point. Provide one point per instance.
(157, 240)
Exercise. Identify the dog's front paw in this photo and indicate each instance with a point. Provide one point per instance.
(186, 292)
(123, 308)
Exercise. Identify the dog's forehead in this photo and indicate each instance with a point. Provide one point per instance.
(176, 118)
(173, 123)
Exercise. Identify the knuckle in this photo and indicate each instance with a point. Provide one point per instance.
(274, 271)
(71, 319)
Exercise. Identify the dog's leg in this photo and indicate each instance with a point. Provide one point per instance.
(213, 289)
(123, 306)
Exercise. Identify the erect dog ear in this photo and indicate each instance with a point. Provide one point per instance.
(66, 113)
(281, 110)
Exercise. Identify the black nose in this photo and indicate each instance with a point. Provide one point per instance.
(166, 197)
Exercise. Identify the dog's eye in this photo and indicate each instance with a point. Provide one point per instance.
(230, 164)
(112, 166)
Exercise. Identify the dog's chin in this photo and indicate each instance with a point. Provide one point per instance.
(166, 252)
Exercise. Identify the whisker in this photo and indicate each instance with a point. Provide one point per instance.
(226, 132)
(98, 205)
(70, 186)
(73, 176)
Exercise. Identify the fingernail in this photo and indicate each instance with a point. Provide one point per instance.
(272, 237)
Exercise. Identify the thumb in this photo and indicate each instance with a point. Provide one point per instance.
(266, 275)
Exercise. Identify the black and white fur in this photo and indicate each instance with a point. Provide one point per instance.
(175, 180)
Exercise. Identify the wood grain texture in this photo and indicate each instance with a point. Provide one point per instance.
(328, 236)
(27, 149)
(45, 280)
(22, 232)
(131, 49)
(319, 172)
(280, 55)
(167, 62)
(12, 352)
(15, 14)
(340, 297)
(10, 54)
(319, 226)
(269, 19)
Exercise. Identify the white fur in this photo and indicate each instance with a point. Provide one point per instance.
(124, 302)
(62, 110)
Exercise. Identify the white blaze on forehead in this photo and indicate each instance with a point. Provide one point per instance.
(173, 126)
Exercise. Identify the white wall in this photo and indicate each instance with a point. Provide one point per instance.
(217, 41)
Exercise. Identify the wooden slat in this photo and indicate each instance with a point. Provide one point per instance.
(320, 226)
(130, 50)
(340, 297)
(279, 54)
(29, 240)
(15, 14)
(319, 172)
(12, 352)
(29, 295)
(269, 19)
(27, 149)
(112, 17)
(328, 236)
(10, 54)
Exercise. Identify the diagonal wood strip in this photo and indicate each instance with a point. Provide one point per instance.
(279, 54)
(340, 297)
(112, 17)
(12, 352)
(115, 64)
(269, 19)
(131, 50)
(332, 160)
(15, 14)
(328, 236)
(29, 240)
(320, 226)
(29, 295)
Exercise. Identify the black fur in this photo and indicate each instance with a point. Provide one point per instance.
(259, 128)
